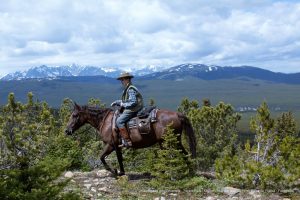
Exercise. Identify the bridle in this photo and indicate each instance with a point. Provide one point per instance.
(98, 127)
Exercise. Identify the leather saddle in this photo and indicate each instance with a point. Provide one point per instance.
(142, 121)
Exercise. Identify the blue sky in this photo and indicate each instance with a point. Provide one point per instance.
(137, 33)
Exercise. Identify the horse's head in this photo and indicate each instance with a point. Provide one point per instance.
(77, 119)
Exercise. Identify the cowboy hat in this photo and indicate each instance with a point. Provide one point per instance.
(125, 75)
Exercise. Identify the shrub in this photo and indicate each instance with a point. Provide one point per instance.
(272, 161)
(27, 172)
(215, 129)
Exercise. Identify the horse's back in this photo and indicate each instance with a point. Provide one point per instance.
(164, 118)
(169, 118)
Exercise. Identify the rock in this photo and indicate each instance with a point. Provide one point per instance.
(230, 191)
(103, 173)
(208, 175)
(103, 189)
(69, 174)
(93, 190)
(255, 194)
(160, 198)
(88, 186)
(210, 198)
(173, 194)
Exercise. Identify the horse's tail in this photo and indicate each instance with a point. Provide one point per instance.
(189, 131)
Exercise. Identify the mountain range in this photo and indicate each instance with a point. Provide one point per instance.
(177, 73)
(244, 87)
(47, 72)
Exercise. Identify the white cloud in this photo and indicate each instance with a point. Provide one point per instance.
(262, 33)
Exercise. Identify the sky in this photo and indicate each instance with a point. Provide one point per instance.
(139, 33)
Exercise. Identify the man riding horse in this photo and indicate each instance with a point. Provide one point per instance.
(131, 103)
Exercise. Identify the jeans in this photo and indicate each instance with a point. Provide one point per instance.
(124, 117)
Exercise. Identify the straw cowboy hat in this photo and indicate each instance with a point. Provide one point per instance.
(125, 75)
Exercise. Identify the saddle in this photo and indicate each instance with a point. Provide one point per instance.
(142, 121)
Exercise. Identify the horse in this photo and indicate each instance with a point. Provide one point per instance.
(103, 120)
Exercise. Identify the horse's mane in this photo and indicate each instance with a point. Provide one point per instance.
(95, 110)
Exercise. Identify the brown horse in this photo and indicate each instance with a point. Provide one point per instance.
(102, 120)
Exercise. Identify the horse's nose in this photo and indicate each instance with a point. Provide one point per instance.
(68, 132)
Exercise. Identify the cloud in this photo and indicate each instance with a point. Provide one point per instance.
(120, 33)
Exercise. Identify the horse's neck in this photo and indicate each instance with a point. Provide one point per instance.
(93, 122)
(96, 120)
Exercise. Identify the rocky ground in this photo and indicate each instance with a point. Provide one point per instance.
(100, 184)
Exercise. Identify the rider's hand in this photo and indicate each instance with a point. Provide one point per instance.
(116, 103)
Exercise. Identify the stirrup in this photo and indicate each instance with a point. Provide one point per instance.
(125, 144)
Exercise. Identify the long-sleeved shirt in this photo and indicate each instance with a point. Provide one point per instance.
(132, 100)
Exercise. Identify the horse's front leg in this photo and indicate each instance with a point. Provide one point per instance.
(120, 160)
(106, 151)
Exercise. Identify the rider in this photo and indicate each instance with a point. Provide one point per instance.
(132, 102)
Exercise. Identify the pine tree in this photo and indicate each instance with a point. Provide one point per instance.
(273, 160)
(26, 170)
(215, 129)
(171, 165)
(186, 106)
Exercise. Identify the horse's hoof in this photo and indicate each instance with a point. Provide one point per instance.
(121, 174)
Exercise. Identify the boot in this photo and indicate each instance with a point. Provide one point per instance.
(127, 142)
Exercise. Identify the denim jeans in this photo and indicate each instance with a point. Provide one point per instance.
(124, 117)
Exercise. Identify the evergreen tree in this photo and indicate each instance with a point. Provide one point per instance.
(273, 160)
(26, 171)
(215, 129)
(171, 164)
(186, 105)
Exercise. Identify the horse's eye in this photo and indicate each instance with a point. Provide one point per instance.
(75, 115)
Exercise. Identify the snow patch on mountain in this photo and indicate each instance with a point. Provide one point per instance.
(48, 72)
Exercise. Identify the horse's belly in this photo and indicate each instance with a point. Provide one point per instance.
(141, 140)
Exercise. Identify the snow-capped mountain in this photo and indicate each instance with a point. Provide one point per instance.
(147, 70)
(212, 72)
(184, 70)
(177, 73)
(73, 70)
(192, 67)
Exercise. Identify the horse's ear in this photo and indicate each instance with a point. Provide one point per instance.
(76, 106)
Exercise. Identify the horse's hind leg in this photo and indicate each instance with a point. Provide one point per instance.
(106, 151)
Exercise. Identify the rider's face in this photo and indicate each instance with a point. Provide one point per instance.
(125, 81)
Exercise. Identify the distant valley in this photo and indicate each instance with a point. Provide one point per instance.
(244, 87)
